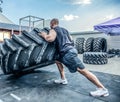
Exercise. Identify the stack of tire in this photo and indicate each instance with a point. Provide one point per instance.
(113, 53)
(26, 51)
(79, 45)
(95, 51)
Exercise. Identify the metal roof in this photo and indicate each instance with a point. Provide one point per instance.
(5, 23)
(12, 27)
(4, 19)
(85, 33)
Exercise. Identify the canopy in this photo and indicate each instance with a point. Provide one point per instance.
(111, 27)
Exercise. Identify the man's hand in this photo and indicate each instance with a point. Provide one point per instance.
(49, 37)
(43, 34)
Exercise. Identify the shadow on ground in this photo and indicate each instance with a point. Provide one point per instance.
(38, 86)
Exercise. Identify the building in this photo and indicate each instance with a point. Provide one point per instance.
(7, 28)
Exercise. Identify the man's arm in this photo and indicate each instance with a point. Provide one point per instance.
(49, 37)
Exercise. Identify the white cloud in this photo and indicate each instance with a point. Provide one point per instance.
(69, 17)
(77, 2)
(109, 17)
(81, 2)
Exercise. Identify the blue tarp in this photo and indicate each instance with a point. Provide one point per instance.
(111, 27)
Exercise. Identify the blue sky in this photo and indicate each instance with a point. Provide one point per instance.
(75, 15)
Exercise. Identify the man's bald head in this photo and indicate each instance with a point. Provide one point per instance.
(54, 22)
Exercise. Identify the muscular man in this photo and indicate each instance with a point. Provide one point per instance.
(69, 57)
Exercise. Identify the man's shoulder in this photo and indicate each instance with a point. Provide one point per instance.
(59, 29)
(63, 28)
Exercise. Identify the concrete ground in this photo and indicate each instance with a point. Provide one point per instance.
(113, 66)
(38, 86)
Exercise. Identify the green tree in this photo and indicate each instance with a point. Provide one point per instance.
(1, 1)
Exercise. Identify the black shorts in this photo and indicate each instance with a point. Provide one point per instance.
(71, 60)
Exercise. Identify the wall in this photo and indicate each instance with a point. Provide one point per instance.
(112, 41)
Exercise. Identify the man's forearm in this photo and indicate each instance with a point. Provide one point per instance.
(46, 37)
(49, 37)
(43, 35)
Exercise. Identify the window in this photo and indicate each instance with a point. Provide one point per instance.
(1, 36)
(4, 34)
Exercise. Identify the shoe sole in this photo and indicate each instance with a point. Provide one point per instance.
(61, 83)
(64, 83)
(104, 95)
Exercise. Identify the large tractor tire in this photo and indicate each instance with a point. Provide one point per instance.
(99, 45)
(79, 45)
(97, 58)
(89, 45)
(26, 51)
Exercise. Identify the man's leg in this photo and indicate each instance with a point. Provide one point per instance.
(63, 79)
(101, 91)
(61, 69)
(90, 76)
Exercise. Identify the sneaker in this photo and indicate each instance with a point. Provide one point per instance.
(100, 92)
(61, 81)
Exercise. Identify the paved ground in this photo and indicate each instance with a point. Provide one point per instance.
(38, 86)
(113, 66)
